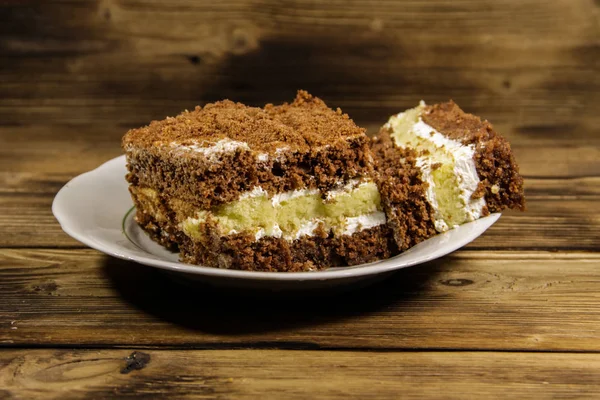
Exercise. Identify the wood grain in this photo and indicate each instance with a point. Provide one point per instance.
(128, 62)
(468, 300)
(76, 75)
(275, 374)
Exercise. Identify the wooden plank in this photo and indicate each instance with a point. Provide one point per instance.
(36, 161)
(251, 374)
(103, 61)
(468, 300)
(56, 150)
(562, 213)
(561, 152)
(557, 105)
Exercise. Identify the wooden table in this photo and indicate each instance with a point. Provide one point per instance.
(514, 314)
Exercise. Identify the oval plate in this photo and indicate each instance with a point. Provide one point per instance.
(95, 209)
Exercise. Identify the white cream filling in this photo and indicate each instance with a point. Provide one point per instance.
(263, 157)
(275, 231)
(212, 151)
(362, 222)
(466, 173)
(307, 229)
(278, 198)
(280, 153)
(425, 165)
(255, 192)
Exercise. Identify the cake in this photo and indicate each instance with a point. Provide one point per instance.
(439, 167)
(286, 187)
(300, 187)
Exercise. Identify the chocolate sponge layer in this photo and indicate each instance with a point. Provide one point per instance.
(409, 214)
(205, 184)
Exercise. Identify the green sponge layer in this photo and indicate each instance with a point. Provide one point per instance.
(290, 214)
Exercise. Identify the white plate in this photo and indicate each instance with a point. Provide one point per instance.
(95, 208)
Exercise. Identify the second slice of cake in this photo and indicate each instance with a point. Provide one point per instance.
(440, 167)
(282, 188)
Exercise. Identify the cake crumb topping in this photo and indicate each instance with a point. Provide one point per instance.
(305, 123)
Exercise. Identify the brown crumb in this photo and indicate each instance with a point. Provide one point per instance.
(409, 214)
(305, 123)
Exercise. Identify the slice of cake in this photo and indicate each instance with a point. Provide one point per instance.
(440, 167)
(279, 188)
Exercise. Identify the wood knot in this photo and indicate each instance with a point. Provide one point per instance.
(137, 360)
(377, 25)
(47, 287)
(457, 282)
(195, 60)
(242, 42)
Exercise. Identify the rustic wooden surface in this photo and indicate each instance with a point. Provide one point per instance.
(516, 312)
(299, 374)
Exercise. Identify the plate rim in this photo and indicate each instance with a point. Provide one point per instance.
(377, 267)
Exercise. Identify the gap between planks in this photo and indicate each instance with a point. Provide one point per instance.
(284, 346)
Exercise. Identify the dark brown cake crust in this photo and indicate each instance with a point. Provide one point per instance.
(500, 181)
(308, 253)
(206, 185)
(321, 147)
(402, 192)
(304, 124)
